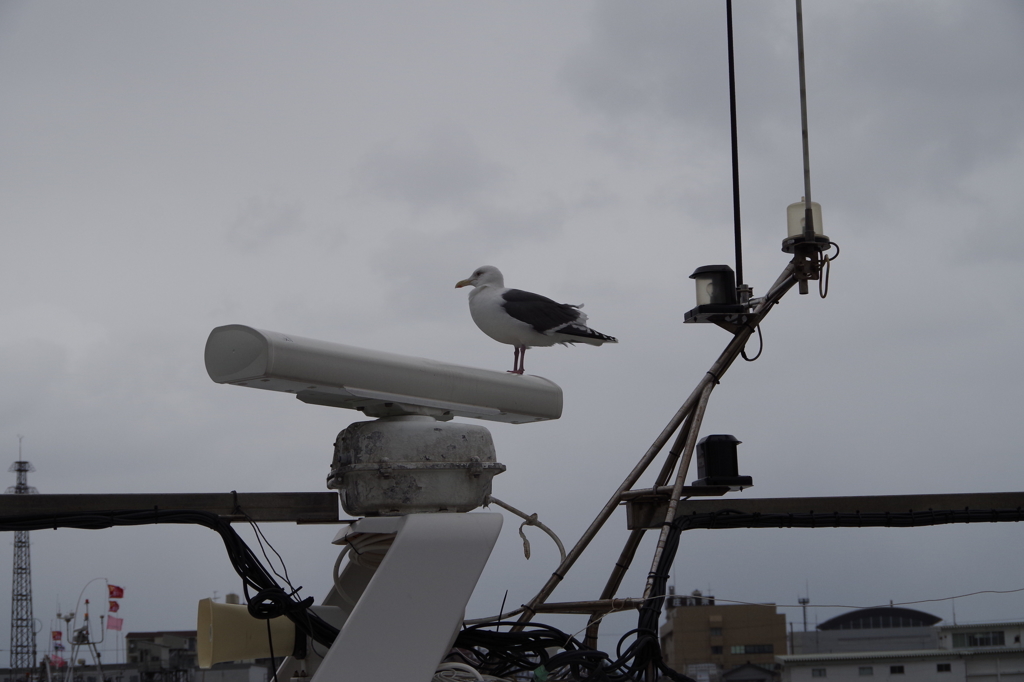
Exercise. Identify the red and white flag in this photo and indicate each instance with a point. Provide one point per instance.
(114, 623)
(57, 661)
(56, 635)
(113, 606)
(115, 592)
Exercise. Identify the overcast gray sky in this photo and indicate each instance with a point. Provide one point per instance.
(330, 170)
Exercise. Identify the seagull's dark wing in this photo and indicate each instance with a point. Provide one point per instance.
(540, 312)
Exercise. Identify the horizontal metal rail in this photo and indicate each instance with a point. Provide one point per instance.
(649, 511)
(321, 507)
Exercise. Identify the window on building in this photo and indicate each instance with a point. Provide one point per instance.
(759, 649)
(865, 671)
(896, 670)
(818, 672)
(996, 638)
(752, 649)
(716, 632)
(716, 650)
(943, 667)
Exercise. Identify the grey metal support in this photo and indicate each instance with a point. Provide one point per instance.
(649, 512)
(259, 507)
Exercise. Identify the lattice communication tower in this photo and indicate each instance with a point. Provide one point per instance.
(23, 634)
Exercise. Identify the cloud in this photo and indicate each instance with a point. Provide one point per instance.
(445, 168)
(902, 98)
(262, 221)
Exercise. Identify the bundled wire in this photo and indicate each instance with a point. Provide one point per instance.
(504, 654)
(268, 600)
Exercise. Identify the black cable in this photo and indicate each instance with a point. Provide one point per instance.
(760, 347)
(270, 644)
(825, 270)
(260, 539)
(270, 599)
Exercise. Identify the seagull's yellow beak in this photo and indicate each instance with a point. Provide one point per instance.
(463, 283)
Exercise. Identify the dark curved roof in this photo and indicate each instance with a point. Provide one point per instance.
(880, 617)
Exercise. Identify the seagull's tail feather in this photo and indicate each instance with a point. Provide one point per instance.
(580, 333)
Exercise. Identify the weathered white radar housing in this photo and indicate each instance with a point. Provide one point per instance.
(407, 465)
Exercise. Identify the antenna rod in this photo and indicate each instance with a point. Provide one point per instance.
(735, 151)
(808, 219)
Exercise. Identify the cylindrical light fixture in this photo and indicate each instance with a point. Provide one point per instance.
(796, 240)
(797, 218)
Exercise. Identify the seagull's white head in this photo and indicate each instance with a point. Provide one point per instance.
(485, 275)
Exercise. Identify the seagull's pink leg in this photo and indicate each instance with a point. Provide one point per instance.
(522, 360)
(515, 362)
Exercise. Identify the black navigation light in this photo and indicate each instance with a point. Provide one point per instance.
(717, 464)
(716, 296)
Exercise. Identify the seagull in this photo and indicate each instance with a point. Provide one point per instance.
(523, 319)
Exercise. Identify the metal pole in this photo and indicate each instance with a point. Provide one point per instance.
(666, 528)
(808, 218)
(735, 150)
(633, 542)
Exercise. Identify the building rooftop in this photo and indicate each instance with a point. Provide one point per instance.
(984, 626)
(916, 653)
(880, 617)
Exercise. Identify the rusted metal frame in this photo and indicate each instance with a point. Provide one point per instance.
(728, 356)
(614, 580)
(687, 492)
(673, 500)
(599, 606)
(724, 361)
(636, 533)
(784, 282)
(612, 503)
(633, 541)
(673, 455)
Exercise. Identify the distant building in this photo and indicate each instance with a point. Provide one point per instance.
(112, 672)
(170, 656)
(981, 635)
(867, 643)
(712, 642)
(167, 656)
(878, 629)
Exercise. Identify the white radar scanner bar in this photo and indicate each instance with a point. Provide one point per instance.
(376, 383)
